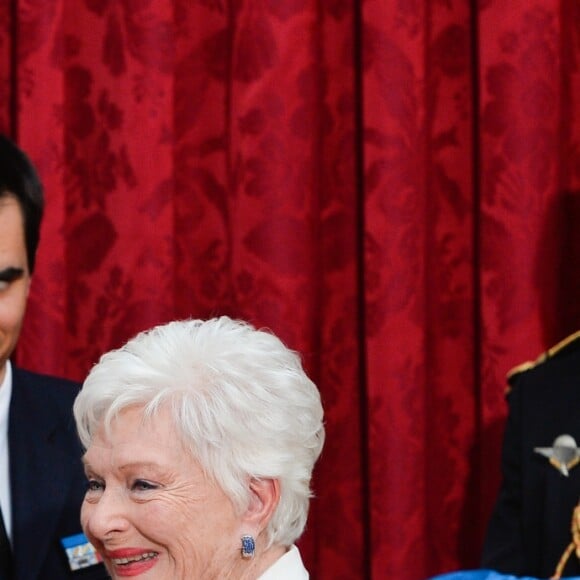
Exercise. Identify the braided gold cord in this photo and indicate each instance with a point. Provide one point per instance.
(573, 546)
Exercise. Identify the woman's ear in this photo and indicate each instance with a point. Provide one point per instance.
(264, 498)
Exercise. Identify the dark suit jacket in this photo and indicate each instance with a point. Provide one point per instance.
(530, 526)
(47, 482)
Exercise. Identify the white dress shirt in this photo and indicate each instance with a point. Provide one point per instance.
(5, 393)
(288, 567)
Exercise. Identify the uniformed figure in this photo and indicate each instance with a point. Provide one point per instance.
(530, 528)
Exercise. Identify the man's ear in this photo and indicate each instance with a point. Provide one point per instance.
(264, 498)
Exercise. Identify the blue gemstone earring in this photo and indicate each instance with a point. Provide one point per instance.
(248, 547)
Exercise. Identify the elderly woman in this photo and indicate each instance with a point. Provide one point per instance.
(200, 439)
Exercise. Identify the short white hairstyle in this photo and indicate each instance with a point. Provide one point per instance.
(239, 398)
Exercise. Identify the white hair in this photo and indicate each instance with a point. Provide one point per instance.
(239, 398)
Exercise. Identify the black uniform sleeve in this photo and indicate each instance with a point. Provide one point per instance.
(504, 547)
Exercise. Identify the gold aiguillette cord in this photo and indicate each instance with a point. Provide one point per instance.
(573, 546)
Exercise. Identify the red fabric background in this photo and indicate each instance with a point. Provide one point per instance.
(391, 186)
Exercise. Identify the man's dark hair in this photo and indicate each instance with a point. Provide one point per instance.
(18, 178)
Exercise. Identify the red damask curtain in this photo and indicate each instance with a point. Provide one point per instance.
(392, 187)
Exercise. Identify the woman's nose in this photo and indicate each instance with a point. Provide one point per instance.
(105, 516)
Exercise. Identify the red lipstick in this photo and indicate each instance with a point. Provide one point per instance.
(129, 562)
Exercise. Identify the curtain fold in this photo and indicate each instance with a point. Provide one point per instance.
(392, 187)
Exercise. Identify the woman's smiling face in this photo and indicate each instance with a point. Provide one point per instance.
(151, 510)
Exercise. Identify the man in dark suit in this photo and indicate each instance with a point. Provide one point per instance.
(41, 477)
(530, 527)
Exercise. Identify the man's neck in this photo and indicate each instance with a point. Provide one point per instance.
(4, 373)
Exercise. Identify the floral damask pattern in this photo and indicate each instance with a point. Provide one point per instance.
(525, 189)
(419, 256)
(6, 89)
(383, 183)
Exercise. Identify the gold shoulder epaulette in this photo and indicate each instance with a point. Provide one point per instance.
(557, 349)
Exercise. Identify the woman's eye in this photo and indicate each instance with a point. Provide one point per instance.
(142, 485)
(94, 485)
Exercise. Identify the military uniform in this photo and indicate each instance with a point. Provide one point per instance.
(530, 526)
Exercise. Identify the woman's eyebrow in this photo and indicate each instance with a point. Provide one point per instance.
(127, 465)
